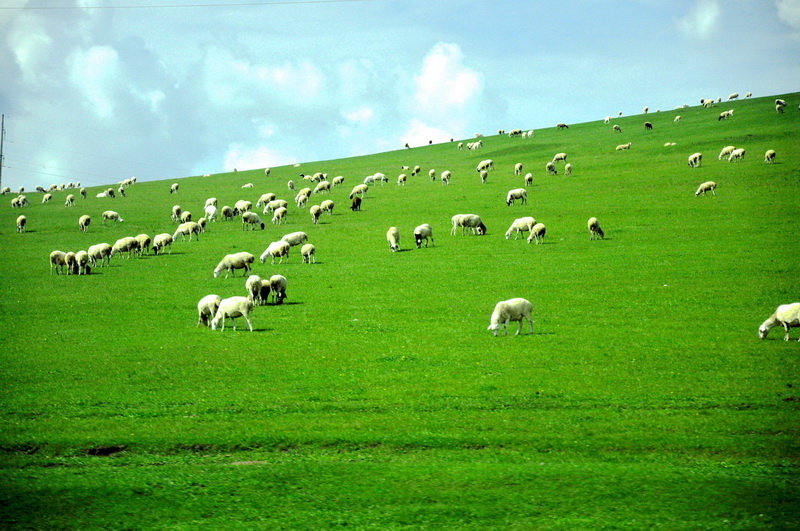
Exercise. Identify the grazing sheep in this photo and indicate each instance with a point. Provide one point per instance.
(779, 109)
(468, 221)
(186, 216)
(83, 193)
(780, 102)
(275, 250)
(110, 215)
(277, 285)
(57, 261)
(231, 262)
(100, 252)
(393, 237)
(279, 216)
(595, 231)
(558, 157)
(423, 232)
(648, 126)
(336, 181)
(82, 266)
(265, 198)
(127, 245)
(677, 119)
(173, 189)
(322, 186)
(748, 95)
(227, 213)
(432, 174)
(21, 222)
(290, 185)
(359, 189)
(111, 193)
(695, 160)
(327, 206)
(309, 253)
(551, 168)
(401, 179)
(72, 263)
(5, 190)
(645, 110)
(725, 153)
(211, 201)
(511, 310)
(315, 212)
(161, 241)
(708, 186)
(258, 289)
(518, 168)
(355, 204)
(520, 225)
(251, 220)
(416, 170)
(484, 175)
(46, 198)
(83, 222)
(233, 307)
(121, 191)
(176, 213)
(538, 233)
(733, 96)
(190, 227)
(517, 193)
(19, 202)
(486, 165)
(624, 147)
(301, 199)
(786, 315)
(247, 185)
(241, 206)
(529, 178)
(562, 126)
(515, 132)
(616, 128)
(737, 154)
(446, 175)
(70, 201)
(210, 212)
(461, 145)
(568, 169)
(769, 156)
(143, 241)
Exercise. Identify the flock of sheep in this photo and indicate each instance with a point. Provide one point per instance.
(214, 310)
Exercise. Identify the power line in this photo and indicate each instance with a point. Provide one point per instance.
(178, 6)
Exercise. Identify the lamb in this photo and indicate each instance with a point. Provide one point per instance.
(355, 204)
(484, 175)
(301, 199)
(176, 213)
(21, 222)
(769, 156)
(708, 186)
(251, 219)
(359, 189)
(624, 147)
(227, 213)
(726, 151)
(110, 215)
(518, 168)
(185, 216)
(46, 198)
(595, 231)
(551, 168)
(253, 286)
(57, 261)
(241, 206)
(520, 225)
(309, 253)
(279, 216)
(423, 232)
(327, 206)
(143, 241)
(511, 310)
(393, 237)
(231, 262)
(315, 211)
(468, 221)
(560, 157)
(206, 309)
(616, 128)
(275, 250)
(568, 169)
(161, 241)
(736, 154)
(70, 200)
(211, 201)
(210, 212)
(786, 315)
(277, 285)
(233, 307)
(538, 233)
(173, 189)
(265, 198)
(695, 160)
(190, 227)
(100, 252)
(83, 222)
(517, 193)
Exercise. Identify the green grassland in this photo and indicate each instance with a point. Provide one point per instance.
(375, 397)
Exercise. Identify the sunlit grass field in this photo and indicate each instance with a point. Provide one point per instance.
(375, 396)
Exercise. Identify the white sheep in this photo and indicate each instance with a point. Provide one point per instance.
(517, 193)
(736, 154)
(676, 119)
(21, 222)
(511, 310)
(295, 238)
(336, 181)
(568, 169)
(57, 261)
(416, 170)
(161, 241)
(233, 307)
(327, 206)
(316, 212)
(252, 221)
(708, 186)
(82, 266)
(210, 212)
(185, 216)
(176, 213)
(446, 176)
(83, 193)
(173, 189)
(277, 285)
(423, 232)
(267, 171)
(484, 175)
(264, 199)
(786, 315)
(486, 165)
(551, 168)
(143, 241)
(624, 147)
(520, 225)
(19, 202)
(275, 250)
(733, 96)
(309, 253)
(231, 262)
(322, 187)
(559, 157)
(227, 213)
(190, 228)
(748, 95)
(595, 230)
(616, 128)
(695, 160)
(253, 286)
(211, 201)
(70, 201)
(725, 152)
(100, 252)
(279, 216)
(83, 222)
(110, 215)
(537, 234)
(468, 221)
(393, 237)
(432, 174)
(301, 199)
(71, 263)
(111, 193)
(290, 185)
(518, 168)
(5, 190)
(128, 245)
(769, 156)
(241, 206)
(528, 179)
(248, 185)
(46, 198)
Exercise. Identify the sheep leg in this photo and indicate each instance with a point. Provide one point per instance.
(249, 324)
(530, 322)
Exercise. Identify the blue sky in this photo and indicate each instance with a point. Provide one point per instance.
(99, 95)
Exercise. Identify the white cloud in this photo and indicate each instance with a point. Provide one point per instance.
(30, 43)
(445, 85)
(360, 116)
(419, 133)
(242, 158)
(789, 12)
(96, 74)
(701, 21)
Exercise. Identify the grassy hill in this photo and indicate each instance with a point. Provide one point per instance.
(375, 397)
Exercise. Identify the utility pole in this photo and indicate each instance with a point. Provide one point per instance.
(2, 138)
